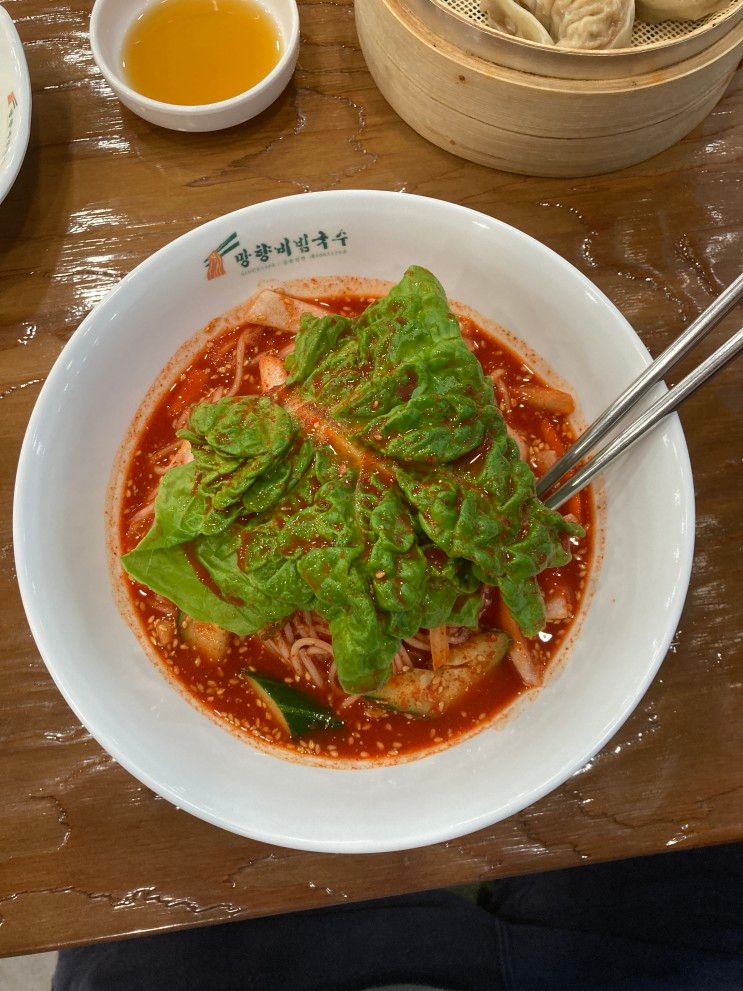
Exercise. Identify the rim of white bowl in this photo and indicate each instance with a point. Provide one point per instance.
(118, 84)
(96, 726)
(11, 164)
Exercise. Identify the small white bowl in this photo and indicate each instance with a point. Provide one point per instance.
(86, 407)
(109, 23)
(15, 104)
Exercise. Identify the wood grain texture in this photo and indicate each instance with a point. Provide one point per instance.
(88, 853)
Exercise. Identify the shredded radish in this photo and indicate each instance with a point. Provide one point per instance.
(557, 605)
(549, 400)
(544, 459)
(519, 652)
(504, 397)
(182, 456)
(273, 374)
(147, 510)
(272, 308)
(439, 646)
(164, 451)
(523, 662)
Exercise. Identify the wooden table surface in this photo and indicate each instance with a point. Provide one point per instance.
(88, 853)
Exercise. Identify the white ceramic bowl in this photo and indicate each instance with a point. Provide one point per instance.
(15, 103)
(109, 23)
(85, 409)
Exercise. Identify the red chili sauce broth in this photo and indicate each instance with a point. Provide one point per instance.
(370, 733)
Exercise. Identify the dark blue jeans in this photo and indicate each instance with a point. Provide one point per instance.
(672, 922)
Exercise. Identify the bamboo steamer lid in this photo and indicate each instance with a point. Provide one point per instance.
(573, 113)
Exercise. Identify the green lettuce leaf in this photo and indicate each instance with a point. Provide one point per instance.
(433, 504)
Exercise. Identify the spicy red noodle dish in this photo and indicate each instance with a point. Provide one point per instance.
(328, 527)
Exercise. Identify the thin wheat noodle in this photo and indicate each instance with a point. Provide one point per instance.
(310, 621)
(309, 665)
(401, 661)
(418, 643)
(278, 645)
(313, 643)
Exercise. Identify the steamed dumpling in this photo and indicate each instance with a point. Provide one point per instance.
(677, 10)
(565, 23)
(511, 18)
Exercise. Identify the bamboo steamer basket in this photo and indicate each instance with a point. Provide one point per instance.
(535, 110)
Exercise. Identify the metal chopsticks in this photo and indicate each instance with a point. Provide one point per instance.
(632, 395)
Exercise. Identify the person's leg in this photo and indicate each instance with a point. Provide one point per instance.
(674, 921)
(436, 939)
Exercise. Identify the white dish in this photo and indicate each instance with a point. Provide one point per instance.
(109, 23)
(84, 411)
(15, 104)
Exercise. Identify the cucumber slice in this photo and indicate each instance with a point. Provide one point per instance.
(295, 713)
(430, 693)
(211, 641)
